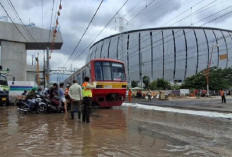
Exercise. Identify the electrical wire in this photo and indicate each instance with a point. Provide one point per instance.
(182, 13)
(101, 30)
(188, 31)
(142, 10)
(84, 32)
(196, 12)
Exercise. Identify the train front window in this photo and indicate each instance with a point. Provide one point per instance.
(106, 71)
(98, 71)
(118, 72)
(109, 71)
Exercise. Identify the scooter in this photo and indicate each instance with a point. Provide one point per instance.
(54, 105)
(35, 104)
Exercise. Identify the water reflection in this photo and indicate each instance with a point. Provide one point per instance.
(118, 132)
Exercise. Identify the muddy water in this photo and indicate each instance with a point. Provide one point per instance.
(117, 132)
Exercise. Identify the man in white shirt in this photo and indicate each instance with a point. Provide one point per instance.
(75, 93)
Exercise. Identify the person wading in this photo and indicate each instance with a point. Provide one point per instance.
(75, 93)
(62, 97)
(87, 99)
(223, 96)
(129, 95)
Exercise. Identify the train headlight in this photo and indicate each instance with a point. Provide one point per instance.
(99, 86)
(123, 86)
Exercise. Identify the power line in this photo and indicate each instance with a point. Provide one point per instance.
(186, 32)
(143, 10)
(182, 13)
(84, 32)
(102, 30)
(196, 12)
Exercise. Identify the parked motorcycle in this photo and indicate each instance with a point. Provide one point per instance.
(35, 104)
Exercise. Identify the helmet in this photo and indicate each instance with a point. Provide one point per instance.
(68, 85)
(34, 88)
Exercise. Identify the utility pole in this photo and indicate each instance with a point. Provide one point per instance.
(44, 73)
(37, 69)
(121, 22)
(32, 59)
(208, 69)
(48, 70)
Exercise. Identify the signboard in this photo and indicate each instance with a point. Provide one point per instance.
(184, 91)
(224, 56)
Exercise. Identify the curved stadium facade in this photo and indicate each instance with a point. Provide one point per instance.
(171, 53)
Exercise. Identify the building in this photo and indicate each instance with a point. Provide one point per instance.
(171, 53)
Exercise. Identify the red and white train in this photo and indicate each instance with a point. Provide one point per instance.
(110, 76)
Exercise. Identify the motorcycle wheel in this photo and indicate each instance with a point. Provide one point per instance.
(41, 109)
(23, 108)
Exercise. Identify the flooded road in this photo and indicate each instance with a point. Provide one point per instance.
(117, 132)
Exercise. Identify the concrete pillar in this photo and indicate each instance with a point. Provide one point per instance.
(14, 57)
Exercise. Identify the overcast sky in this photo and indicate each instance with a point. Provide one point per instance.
(76, 15)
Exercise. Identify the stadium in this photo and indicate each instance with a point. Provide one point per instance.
(171, 53)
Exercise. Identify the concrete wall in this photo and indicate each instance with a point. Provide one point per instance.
(40, 37)
(32, 72)
(14, 45)
(14, 57)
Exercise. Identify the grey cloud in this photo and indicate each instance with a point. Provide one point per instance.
(212, 15)
(153, 13)
(29, 5)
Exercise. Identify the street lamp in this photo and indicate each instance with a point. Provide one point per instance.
(208, 69)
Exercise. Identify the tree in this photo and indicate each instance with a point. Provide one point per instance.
(159, 84)
(146, 81)
(218, 79)
(153, 85)
(175, 86)
(134, 84)
(162, 84)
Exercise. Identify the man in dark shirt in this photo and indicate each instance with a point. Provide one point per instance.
(31, 94)
(30, 97)
(54, 90)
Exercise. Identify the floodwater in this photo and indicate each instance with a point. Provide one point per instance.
(117, 132)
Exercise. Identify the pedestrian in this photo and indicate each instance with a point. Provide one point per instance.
(75, 93)
(129, 95)
(166, 95)
(62, 97)
(223, 96)
(149, 94)
(54, 90)
(196, 93)
(66, 91)
(67, 97)
(87, 98)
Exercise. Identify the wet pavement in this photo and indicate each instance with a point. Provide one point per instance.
(124, 131)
